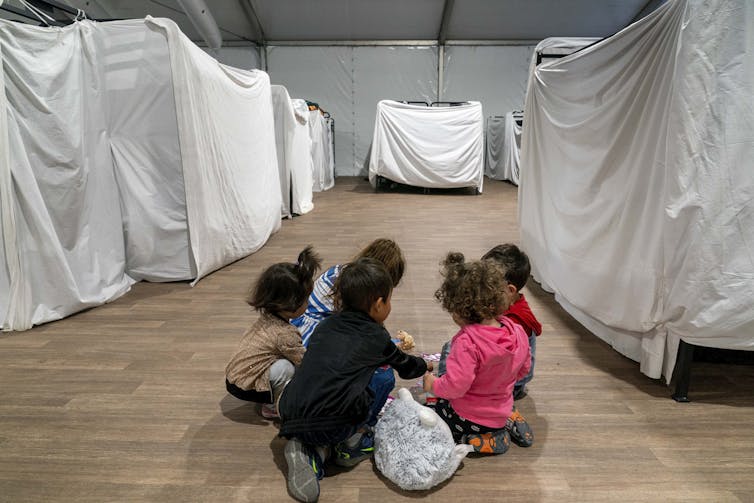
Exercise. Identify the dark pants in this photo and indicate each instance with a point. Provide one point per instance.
(459, 426)
(248, 395)
(381, 384)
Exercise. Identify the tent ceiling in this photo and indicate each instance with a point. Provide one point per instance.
(362, 20)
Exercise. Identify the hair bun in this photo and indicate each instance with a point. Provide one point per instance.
(454, 258)
(308, 263)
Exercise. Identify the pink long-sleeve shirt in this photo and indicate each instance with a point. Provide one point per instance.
(483, 365)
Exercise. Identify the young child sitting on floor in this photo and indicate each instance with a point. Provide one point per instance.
(328, 401)
(487, 355)
(269, 350)
(321, 305)
(517, 271)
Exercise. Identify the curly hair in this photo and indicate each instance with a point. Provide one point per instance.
(285, 286)
(389, 253)
(474, 291)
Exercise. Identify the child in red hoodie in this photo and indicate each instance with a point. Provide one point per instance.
(517, 267)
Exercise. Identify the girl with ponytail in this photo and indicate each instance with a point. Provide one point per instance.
(271, 348)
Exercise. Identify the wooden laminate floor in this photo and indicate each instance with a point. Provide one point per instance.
(125, 402)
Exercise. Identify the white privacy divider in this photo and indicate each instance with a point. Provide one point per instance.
(323, 164)
(636, 195)
(503, 146)
(293, 146)
(125, 155)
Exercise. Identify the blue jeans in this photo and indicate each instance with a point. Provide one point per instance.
(519, 384)
(382, 383)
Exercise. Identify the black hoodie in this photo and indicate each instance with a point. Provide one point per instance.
(330, 390)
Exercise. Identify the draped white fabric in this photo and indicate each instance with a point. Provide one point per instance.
(227, 134)
(636, 196)
(146, 153)
(118, 141)
(561, 46)
(431, 147)
(293, 146)
(63, 236)
(503, 145)
(323, 165)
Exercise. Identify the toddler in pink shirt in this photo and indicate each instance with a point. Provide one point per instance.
(487, 356)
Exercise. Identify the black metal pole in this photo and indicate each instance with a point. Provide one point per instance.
(683, 371)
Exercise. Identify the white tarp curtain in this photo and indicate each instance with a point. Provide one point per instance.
(293, 146)
(61, 218)
(106, 164)
(636, 202)
(431, 147)
(227, 134)
(146, 153)
(323, 164)
(503, 145)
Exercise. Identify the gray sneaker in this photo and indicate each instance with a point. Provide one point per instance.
(303, 471)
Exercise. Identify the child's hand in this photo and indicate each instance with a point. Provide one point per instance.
(429, 380)
(430, 366)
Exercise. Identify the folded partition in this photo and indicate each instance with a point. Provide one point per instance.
(503, 145)
(146, 153)
(322, 151)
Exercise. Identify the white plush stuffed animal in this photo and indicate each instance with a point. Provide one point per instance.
(413, 445)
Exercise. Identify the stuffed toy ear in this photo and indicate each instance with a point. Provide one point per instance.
(405, 395)
(427, 418)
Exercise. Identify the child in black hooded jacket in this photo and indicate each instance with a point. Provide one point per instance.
(328, 401)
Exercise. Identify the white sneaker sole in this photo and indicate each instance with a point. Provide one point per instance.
(302, 481)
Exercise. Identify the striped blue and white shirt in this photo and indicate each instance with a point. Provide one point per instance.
(320, 305)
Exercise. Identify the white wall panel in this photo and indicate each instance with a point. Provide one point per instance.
(323, 75)
(494, 75)
(397, 73)
(348, 82)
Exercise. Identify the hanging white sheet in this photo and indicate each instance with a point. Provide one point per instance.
(293, 153)
(636, 202)
(230, 170)
(146, 153)
(322, 151)
(503, 145)
(61, 217)
(431, 147)
(97, 189)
